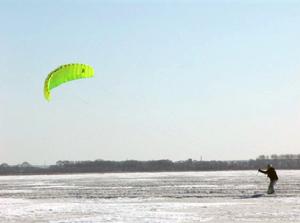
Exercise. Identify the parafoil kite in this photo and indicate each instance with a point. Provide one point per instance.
(65, 73)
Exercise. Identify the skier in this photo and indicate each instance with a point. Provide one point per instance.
(272, 175)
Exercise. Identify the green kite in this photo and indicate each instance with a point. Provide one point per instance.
(65, 73)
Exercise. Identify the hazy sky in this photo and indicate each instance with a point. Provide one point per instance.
(173, 80)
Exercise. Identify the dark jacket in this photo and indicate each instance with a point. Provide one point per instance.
(270, 172)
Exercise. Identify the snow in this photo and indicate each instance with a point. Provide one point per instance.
(185, 197)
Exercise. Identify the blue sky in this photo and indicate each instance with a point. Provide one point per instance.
(173, 80)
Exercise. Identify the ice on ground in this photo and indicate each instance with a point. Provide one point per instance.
(185, 197)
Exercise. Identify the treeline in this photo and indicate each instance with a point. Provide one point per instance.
(106, 166)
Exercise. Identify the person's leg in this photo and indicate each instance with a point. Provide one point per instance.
(271, 187)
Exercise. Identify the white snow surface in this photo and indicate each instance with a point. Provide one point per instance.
(168, 197)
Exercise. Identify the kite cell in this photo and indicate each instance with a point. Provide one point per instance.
(66, 73)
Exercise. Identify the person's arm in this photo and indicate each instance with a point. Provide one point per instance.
(263, 171)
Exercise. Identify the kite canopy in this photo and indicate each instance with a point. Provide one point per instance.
(65, 73)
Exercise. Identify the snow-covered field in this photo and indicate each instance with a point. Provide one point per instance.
(189, 197)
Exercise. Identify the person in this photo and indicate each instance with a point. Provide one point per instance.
(271, 173)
